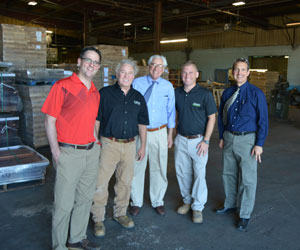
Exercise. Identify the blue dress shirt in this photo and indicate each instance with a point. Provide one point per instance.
(161, 104)
(249, 112)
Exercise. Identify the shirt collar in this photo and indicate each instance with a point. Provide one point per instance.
(243, 87)
(76, 80)
(150, 80)
(195, 88)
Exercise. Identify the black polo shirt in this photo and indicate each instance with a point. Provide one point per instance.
(193, 109)
(120, 114)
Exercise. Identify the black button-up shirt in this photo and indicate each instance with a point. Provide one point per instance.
(120, 114)
(193, 109)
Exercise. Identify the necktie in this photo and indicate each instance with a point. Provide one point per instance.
(149, 91)
(227, 105)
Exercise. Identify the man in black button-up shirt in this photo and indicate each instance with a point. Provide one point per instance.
(196, 118)
(122, 116)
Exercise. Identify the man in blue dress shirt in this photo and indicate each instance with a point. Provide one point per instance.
(243, 128)
(160, 98)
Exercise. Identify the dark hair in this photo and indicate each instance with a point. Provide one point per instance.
(189, 63)
(90, 48)
(241, 59)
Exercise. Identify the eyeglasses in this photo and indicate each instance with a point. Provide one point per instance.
(90, 61)
(154, 65)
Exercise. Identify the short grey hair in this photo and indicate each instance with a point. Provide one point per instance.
(130, 62)
(165, 63)
(241, 59)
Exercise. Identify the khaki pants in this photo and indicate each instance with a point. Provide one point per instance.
(190, 171)
(239, 173)
(115, 158)
(75, 183)
(157, 153)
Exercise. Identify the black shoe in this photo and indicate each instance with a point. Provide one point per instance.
(242, 224)
(83, 245)
(225, 210)
(160, 210)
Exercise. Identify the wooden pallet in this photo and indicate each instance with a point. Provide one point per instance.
(21, 185)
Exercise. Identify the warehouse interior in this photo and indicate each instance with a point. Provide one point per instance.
(40, 42)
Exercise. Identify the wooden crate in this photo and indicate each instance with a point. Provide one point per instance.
(24, 46)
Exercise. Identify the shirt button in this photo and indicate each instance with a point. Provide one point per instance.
(235, 109)
(125, 112)
(237, 101)
(124, 132)
(125, 122)
(125, 102)
(232, 125)
(234, 117)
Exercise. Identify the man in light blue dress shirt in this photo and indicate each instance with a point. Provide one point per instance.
(160, 98)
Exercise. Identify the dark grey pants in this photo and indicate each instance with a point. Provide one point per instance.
(239, 173)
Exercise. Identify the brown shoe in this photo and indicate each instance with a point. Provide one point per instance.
(99, 229)
(125, 221)
(134, 210)
(197, 216)
(184, 209)
(160, 210)
(83, 245)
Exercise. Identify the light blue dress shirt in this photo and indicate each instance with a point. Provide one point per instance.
(161, 104)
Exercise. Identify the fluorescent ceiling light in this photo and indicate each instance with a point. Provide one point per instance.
(127, 24)
(32, 3)
(259, 70)
(49, 31)
(238, 3)
(293, 24)
(286, 57)
(174, 40)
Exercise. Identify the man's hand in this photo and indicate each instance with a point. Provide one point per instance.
(56, 154)
(257, 151)
(170, 141)
(221, 144)
(141, 154)
(202, 148)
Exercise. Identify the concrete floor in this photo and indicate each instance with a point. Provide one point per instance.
(275, 224)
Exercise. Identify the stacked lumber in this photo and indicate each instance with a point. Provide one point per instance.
(266, 81)
(24, 46)
(32, 119)
(111, 56)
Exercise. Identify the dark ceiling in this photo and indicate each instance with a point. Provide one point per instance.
(105, 18)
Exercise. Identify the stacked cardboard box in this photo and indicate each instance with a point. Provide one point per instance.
(111, 56)
(24, 46)
(32, 119)
(266, 81)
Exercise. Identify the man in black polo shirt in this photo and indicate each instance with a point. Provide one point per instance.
(196, 118)
(122, 116)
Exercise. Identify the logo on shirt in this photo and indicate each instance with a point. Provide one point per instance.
(137, 102)
(196, 104)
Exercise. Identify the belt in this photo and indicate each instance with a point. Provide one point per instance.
(121, 140)
(241, 133)
(67, 145)
(192, 136)
(155, 129)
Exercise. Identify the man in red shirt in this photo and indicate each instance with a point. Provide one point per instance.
(71, 109)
